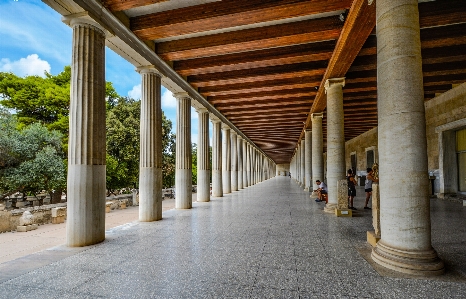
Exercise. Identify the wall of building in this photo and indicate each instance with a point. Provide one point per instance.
(359, 146)
(283, 169)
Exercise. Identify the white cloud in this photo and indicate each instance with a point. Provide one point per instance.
(168, 100)
(30, 66)
(135, 93)
(194, 138)
(194, 114)
(34, 27)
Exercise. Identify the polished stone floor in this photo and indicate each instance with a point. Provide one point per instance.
(267, 241)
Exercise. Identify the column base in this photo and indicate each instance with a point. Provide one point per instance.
(306, 189)
(330, 208)
(419, 263)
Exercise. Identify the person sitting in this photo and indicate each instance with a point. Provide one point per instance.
(321, 191)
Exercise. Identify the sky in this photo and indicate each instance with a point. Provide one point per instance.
(33, 39)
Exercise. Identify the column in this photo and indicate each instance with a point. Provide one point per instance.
(405, 243)
(203, 164)
(249, 165)
(308, 160)
(335, 139)
(239, 150)
(183, 174)
(298, 164)
(217, 187)
(245, 164)
(303, 162)
(226, 159)
(150, 163)
(234, 161)
(317, 149)
(85, 224)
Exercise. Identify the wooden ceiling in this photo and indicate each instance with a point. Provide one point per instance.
(263, 63)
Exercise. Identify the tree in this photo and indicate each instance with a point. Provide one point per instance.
(31, 158)
(194, 163)
(36, 99)
(123, 146)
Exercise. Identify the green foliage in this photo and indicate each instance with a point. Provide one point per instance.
(30, 158)
(194, 162)
(36, 99)
(123, 146)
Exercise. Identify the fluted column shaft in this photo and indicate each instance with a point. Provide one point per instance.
(239, 150)
(245, 164)
(226, 159)
(203, 164)
(150, 163)
(317, 149)
(303, 162)
(85, 224)
(183, 174)
(308, 160)
(405, 244)
(335, 139)
(217, 186)
(249, 165)
(234, 161)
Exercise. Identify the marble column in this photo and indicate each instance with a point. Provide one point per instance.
(405, 243)
(226, 159)
(245, 164)
(234, 161)
(335, 140)
(150, 163)
(298, 164)
(308, 161)
(239, 150)
(85, 224)
(303, 163)
(317, 149)
(249, 165)
(183, 174)
(203, 164)
(217, 187)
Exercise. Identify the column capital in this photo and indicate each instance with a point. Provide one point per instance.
(146, 69)
(225, 127)
(214, 118)
(233, 132)
(334, 82)
(181, 95)
(308, 130)
(83, 18)
(317, 115)
(201, 110)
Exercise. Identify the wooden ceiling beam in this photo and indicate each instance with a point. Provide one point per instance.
(308, 31)
(261, 86)
(226, 108)
(119, 5)
(226, 14)
(259, 74)
(253, 59)
(357, 28)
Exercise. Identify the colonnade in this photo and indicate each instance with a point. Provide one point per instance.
(405, 243)
(236, 163)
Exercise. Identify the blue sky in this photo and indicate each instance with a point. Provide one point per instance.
(33, 39)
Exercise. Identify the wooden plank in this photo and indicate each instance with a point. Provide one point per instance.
(253, 59)
(440, 13)
(358, 26)
(226, 14)
(259, 74)
(269, 85)
(307, 31)
(119, 5)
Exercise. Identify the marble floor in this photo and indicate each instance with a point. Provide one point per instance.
(267, 241)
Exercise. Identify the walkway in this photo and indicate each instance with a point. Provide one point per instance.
(267, 241)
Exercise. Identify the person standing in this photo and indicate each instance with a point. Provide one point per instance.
(368, 186)
(351, 188)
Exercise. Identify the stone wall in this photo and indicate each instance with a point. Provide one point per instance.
(9, 220)
(446, 108)
(359, 145)
(283, 169)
